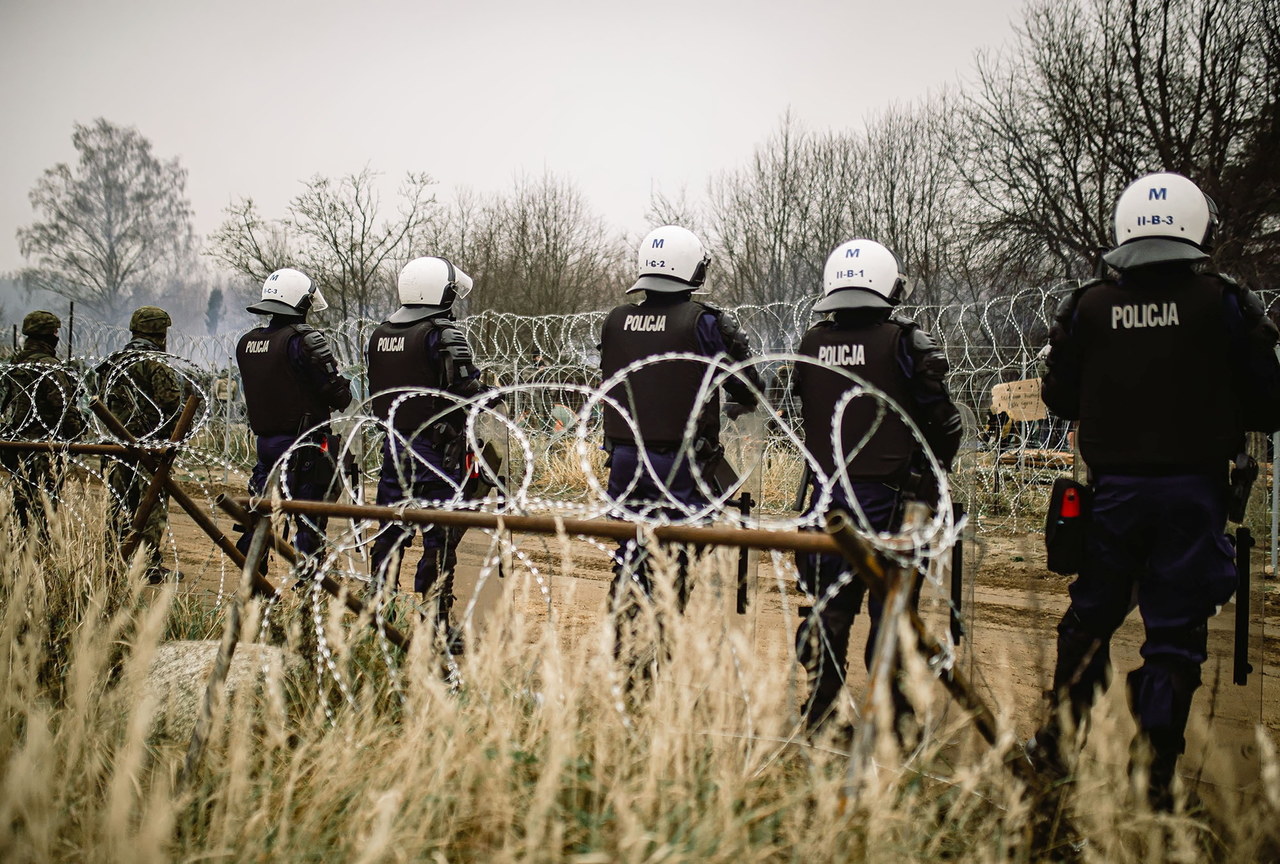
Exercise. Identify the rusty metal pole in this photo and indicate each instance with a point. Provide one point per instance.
(233, 509)
(164, 463)
(753, 538)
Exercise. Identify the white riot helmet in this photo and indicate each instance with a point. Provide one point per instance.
(861, 274)
(1162, 218)
(428, 286)
(671, 259)
(289, 292)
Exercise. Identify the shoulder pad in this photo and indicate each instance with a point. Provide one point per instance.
(303, 327)
(454, 342)
(922, 341)
(1230, 280)
(1251, 305)
(902, 321)
(313, 339)
(1067, 306)
(710, 307)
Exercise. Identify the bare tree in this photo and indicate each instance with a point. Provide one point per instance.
(539, 250)
(1102, 91)
(335, 234)
(762, 219)
(112, 224)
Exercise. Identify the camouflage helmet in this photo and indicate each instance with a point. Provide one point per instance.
(41, 323)
(151, 320)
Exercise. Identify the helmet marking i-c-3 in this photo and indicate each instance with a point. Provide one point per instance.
(289, 292)
(861, 274)
(429, 286)
(1162, 218)
(670, 259)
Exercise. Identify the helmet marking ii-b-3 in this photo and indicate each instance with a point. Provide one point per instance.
(1162, 218)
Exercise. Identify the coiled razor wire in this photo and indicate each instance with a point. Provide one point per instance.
(543, 415)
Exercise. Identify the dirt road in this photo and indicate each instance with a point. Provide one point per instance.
(1011, 610)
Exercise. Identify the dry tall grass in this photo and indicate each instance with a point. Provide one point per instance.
(533, 749)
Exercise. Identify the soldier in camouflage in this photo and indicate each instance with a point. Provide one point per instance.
(147, 395)
(37, 403)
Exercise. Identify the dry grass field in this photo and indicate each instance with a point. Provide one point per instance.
(533, 746)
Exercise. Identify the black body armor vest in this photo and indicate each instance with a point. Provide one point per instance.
(660, 397)
(1156, 390)
(871, 353)
(398, 358)
(279, 401)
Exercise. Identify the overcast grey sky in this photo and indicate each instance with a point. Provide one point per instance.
(255, 95)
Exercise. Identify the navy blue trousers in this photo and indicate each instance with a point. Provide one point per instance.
(822, 639)
(306, 480)
(652, 499)
(1157, 543)
(413, 473)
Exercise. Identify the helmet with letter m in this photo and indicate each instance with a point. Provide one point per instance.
(1162, 218)
(670, 259)
(862, 274)
(289, 292)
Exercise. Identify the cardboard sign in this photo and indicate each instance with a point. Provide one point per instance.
(1020, 400)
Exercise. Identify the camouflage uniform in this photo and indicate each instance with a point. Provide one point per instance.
(37, 405)
(147, 395)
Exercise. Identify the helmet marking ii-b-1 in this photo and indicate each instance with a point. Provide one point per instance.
(671, 259)
(1162, 218)
(861, 274)
(429, 286)
(289, 292)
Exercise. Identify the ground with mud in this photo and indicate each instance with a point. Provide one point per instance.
(1011, 608)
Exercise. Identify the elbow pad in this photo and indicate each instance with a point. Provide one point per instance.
(738, 346)
(736, 342)
(1260, 329)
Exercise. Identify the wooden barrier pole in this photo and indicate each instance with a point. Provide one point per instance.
(179, 495)
(226, 650)
(871, 569)
(164, 463)
(77, 449)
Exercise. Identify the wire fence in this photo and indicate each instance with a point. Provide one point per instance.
(547, 369)
(536, 436)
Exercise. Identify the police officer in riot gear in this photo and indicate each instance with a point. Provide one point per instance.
(291, 387)
(660, 398)
(881, 459)
(1164, 366)
(37, 403)
(421, 346)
